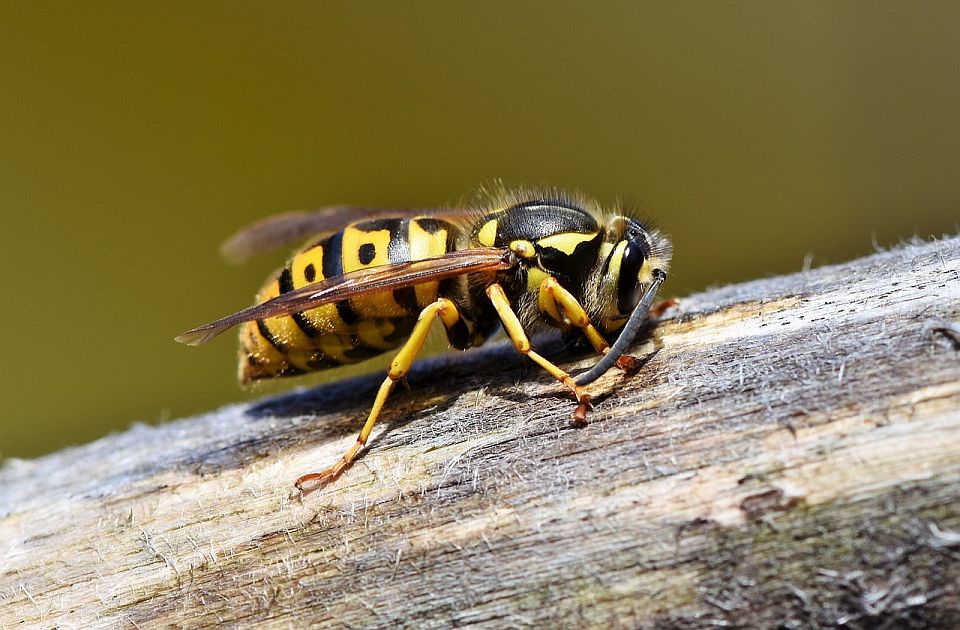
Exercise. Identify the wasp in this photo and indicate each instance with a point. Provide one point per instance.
(369, 281)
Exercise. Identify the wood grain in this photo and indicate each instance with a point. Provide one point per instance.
(790, 455)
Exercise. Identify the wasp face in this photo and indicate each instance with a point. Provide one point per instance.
(633, 253)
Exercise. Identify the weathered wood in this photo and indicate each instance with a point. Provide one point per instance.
(790, 455)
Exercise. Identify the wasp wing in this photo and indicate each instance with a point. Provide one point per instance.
(289, 227)
(358, 283)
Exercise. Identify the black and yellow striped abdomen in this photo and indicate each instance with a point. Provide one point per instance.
(348, 331)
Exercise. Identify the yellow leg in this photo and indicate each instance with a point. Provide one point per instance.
(554, 298)
(511, 324)
(399, 367)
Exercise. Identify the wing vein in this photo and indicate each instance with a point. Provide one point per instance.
(358, 283)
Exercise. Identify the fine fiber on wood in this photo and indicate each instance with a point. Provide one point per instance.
(789, 453)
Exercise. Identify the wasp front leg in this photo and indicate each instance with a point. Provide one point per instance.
(511, 324)
(399, 367)
(554, 299)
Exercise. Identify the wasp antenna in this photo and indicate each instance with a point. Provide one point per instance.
(630, 331)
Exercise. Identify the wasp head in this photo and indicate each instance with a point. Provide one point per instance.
(631, 257)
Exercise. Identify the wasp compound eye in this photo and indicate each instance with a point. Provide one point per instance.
(629, 289)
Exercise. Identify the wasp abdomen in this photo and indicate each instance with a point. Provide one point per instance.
(348, 331)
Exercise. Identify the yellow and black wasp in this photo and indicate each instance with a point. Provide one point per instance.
(373, 280)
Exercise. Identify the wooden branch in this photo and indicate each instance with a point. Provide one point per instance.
(789, 456)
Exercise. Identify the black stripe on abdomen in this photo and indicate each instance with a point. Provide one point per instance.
(333, 266)
(286, 285)
(398, 252)
(359, 351)
(266, 334)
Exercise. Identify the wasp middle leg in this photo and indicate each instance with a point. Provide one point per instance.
(399, 367)
(511, 324)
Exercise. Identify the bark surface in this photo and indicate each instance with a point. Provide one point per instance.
(790, 454)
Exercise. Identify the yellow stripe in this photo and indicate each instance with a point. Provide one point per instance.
(379, 304)
(269, 361)
(605, 250)
(566, 242)
(423, 244)
(282, 327)
(323, 318)
(614, 269)
(333, 347)
(313, 258)
(487, 235)
(373, 331)
(534, 278)
(645, 275)
(354, 239)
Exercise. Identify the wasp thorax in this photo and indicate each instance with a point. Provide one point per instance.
(553, 238)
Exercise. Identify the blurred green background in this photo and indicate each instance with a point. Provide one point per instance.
(135, 136)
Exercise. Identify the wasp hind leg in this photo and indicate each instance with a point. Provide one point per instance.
(399, 367)
(511, 324)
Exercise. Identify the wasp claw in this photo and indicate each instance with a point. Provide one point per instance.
(628, 363)
(579, 415)
(316, 481)
(659, 309)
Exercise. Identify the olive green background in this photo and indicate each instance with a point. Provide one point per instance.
(135, 136)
